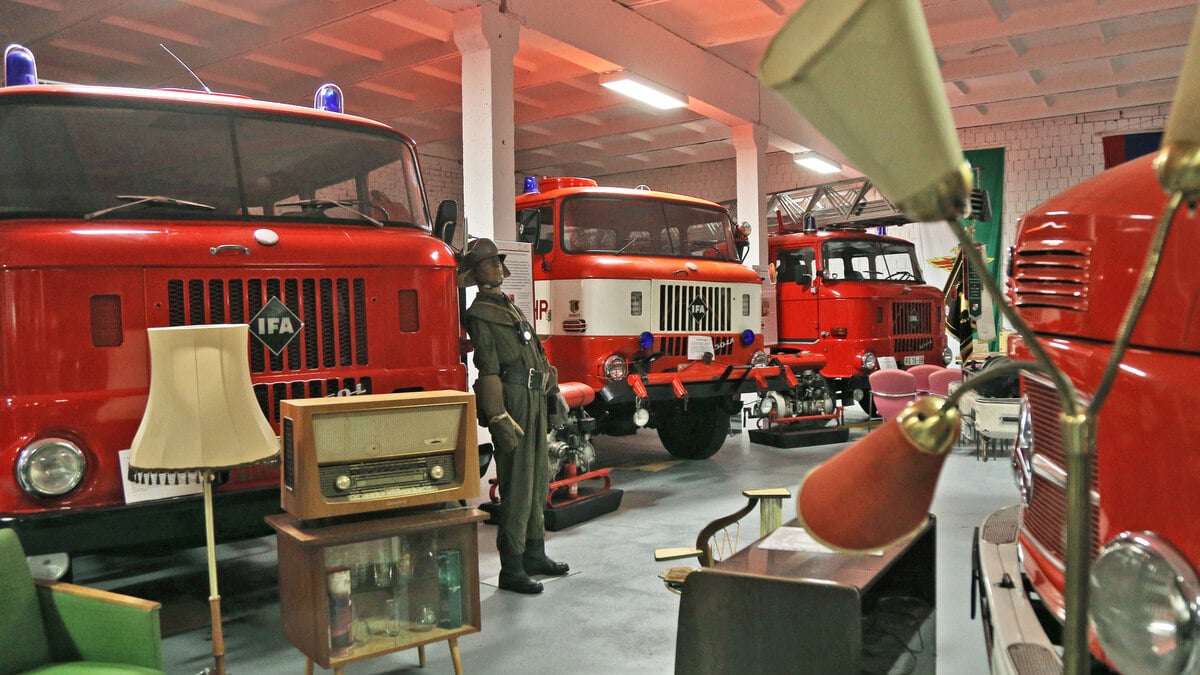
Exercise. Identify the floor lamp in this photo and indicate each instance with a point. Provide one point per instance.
(201, 419)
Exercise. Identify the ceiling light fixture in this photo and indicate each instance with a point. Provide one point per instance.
(815, 161)
(637, 87)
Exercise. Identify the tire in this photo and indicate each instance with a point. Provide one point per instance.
(696, 434)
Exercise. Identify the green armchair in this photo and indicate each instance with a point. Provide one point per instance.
(54, 628)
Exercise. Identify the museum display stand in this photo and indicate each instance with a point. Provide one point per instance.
(377, 584)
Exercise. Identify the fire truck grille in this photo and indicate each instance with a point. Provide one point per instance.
(269, 395)
(912, 324)
(333, 311)
(695, 308)
(1045, 516)
(1052, 275)
(677, 346)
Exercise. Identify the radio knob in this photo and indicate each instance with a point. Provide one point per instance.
(343, 482)
(436, 472)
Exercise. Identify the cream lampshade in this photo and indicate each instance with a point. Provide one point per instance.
(893, 107)
(201, 418)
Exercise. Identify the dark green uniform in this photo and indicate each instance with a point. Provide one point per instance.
(507, 348)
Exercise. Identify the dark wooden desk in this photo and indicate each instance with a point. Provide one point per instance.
(785, 611)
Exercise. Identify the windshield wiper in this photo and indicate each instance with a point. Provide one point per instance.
(156, 200)
(632, 240)
(321, 204)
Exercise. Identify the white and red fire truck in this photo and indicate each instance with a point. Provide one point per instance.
(641, 296)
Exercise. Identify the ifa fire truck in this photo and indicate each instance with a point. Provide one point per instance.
(1074, 268)
(126, 209)
(641, 296)
(853, 297)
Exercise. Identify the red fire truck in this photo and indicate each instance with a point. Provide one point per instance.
(126, 209)
(852, 297)
(642, 297)
(1074, 268)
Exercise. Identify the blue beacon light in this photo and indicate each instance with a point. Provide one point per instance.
(19, 66)
(531, 185)
(646, 340)
(328, 98)
(747, 337)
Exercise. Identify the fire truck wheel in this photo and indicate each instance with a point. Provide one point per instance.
(696, 434)
(867, 403)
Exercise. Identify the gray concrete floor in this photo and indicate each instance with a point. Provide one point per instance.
(612, 614)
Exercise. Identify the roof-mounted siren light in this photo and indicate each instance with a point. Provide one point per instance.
(810, 223)
(19, 66)
(328, 98)
(531, 185)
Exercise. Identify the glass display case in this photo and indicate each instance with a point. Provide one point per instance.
(375, 585)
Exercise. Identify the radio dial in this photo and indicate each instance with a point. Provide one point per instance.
(343, 482)
(436, 472)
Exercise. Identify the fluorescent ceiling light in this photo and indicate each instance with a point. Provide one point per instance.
(817, 162)
(637, 87)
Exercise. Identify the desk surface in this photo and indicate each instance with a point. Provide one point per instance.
(858, 570)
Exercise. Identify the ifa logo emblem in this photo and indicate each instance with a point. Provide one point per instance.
(275, 325)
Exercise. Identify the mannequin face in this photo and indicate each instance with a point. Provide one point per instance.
(490, 273)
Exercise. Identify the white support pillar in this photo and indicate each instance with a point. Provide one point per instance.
(488, 41)
(750, 145)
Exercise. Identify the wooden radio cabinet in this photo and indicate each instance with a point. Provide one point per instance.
(375, 585)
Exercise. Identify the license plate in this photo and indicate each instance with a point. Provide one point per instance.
(914, 360)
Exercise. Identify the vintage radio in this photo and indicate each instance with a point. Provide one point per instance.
(355, 454)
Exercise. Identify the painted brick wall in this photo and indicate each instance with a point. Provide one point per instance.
(443, 180)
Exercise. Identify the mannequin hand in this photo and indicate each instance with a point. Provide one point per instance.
(506, 431)
(559, 410)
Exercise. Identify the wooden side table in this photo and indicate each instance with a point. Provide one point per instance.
(370, 586)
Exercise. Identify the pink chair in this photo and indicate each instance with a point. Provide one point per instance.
(922, 373)
(891, 390)
(939, 382)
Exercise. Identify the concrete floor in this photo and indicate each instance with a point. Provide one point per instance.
(612, 614)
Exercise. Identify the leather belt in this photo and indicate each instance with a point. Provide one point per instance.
(530, 379)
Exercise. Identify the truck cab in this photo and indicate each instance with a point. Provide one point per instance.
(642, 297)
(126, 209)
(853, 297)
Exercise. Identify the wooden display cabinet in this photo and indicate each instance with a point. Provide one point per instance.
(375, 585)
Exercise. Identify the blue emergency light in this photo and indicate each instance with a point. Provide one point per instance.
(328, 98)
(531, 187)
(646, 340)
(19, 66)
(747, 337)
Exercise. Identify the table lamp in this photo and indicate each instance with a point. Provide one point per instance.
(895, 126)
(201, 419)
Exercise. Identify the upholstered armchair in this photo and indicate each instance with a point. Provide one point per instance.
(54, 628)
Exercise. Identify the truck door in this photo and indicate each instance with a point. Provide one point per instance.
(799, 317)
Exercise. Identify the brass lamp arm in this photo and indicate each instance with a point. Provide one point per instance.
(991, 374)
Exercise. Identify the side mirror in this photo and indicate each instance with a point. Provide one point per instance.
(742, 240)
(803, 279)
(446, 221)
(529, 230)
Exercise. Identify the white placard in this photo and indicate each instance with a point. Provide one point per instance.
(796, 539)
(519, 261)
(137, 492)
(698, 346)
(886, 362)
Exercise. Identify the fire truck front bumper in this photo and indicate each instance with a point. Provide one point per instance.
(699, 380)
(1016, 641)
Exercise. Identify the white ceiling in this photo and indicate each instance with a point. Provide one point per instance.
(396, 61)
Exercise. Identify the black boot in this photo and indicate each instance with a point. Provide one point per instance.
(536, 561)
(513, 576)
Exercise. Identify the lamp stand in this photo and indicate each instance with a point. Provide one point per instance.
(214, 598)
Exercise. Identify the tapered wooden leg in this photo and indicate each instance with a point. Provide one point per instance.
(421, 654)
(455, 656)
(308, 667)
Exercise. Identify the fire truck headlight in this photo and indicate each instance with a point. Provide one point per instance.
(759, 359)
(1146, 605)
(868, 361)
(616, 367)
(50, 467)
(947, 356)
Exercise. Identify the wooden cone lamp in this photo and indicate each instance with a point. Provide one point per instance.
(201, 419)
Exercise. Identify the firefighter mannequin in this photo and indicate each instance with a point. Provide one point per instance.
(515, 380)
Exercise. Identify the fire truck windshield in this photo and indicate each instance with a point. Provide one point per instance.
(68, 157)
(870, 260)
(645, 226)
